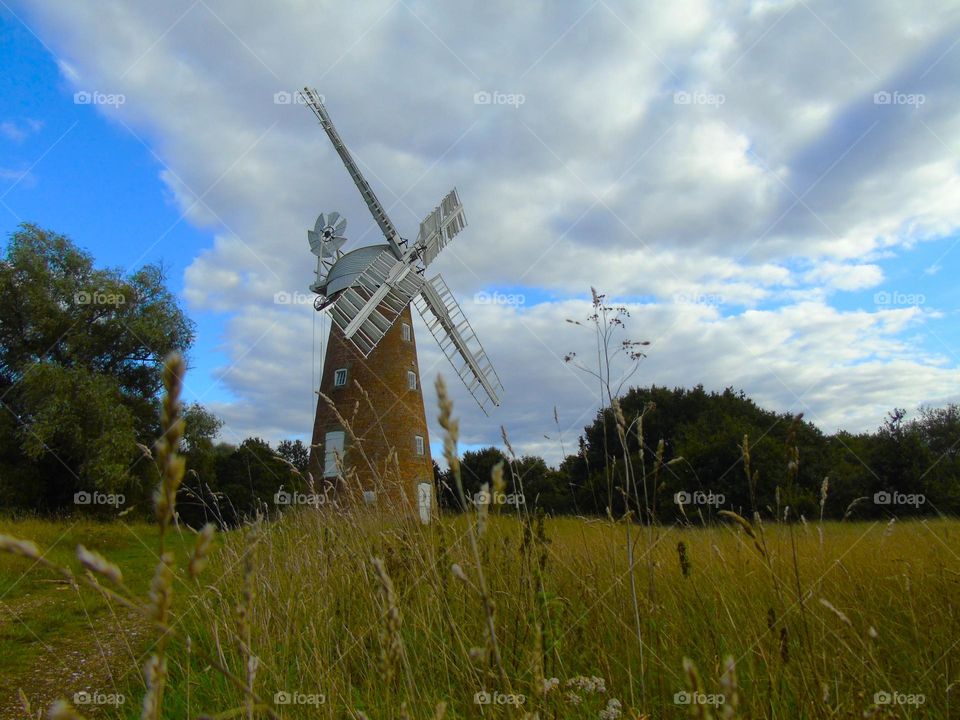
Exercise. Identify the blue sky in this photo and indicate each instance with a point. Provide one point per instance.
(95, 180)
(733, 178)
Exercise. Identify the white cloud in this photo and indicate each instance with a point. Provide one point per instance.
(17, 176)
(18, 131)
(786, 194)
(844, 276)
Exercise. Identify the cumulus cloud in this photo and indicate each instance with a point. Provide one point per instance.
(726, 170)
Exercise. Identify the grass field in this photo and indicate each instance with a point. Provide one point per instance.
(326, 616)
(56, 639)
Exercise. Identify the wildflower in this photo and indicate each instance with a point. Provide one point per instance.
(612, 711)
(592, 684)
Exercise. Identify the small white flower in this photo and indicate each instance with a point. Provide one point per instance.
(612, 711)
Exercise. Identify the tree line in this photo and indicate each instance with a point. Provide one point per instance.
(686, 461)
(81, 353)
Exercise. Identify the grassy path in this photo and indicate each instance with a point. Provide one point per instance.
(56, 639)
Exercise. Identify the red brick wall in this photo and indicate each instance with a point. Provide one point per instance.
(385, 421)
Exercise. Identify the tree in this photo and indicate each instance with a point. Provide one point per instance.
(541, 486)
(196, 498)
(81, 353)
(249, 477)
(899, 457)
(701, 435)
(939, 430)
(476, 467)
(295, 453)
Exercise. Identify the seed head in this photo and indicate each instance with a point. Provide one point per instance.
(98, 564)
(16, 546)
(202, 550)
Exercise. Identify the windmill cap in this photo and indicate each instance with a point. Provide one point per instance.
(345, 271)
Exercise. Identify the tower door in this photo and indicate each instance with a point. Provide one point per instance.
(425, 501)
(333, 448)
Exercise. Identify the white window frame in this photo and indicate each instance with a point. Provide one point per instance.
(419, 444)
(337, 375)
(332, 447)
(411, 380)
(407, 334)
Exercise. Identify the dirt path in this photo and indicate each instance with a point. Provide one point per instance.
(62, 656)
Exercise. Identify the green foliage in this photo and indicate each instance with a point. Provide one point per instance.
(475, 469)
(196, 499)
(701, 435)
(249, 477)
(81, 350)
(82, 414)
(295, 453)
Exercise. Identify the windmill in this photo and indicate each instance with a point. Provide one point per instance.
(369, 291)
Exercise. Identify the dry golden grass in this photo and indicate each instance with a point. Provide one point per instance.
(369, 615)
(384, 617)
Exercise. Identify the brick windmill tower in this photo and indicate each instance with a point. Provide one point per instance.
(370, 436)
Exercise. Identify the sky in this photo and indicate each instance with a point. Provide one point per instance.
(770, 188)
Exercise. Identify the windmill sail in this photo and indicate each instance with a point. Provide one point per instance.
(441, 226)
(367, 309)
(376, 209)
(459, 342)
(369, 287)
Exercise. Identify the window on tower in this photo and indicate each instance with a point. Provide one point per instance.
(340, 377)
(419, 441)
(406, 332)
(411, 380)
